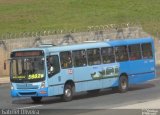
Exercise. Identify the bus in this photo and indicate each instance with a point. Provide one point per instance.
(63, 70)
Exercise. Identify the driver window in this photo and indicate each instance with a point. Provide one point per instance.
(53, 65)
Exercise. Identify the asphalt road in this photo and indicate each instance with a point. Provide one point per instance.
(84, 103)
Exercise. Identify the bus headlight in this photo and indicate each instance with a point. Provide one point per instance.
(12, 87)
(43, 84)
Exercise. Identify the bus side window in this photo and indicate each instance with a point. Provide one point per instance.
(121, 53)
(79, 58)
(134, 52)
(53, 65)
(93, 56)
(147, 50)
(66, 59)
(107, 55)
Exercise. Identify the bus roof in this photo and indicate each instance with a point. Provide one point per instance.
(80, 46)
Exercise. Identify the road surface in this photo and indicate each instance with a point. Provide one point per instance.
(83, 103)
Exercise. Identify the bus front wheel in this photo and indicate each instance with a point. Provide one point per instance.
(36, 99)
(68, 93)
(123, 84)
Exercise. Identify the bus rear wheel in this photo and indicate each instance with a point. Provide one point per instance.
(68, 93)
(123, 84)
(36, 99)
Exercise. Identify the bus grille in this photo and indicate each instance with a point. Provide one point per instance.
(28, 86)
(27, 93)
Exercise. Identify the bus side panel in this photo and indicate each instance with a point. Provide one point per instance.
(94, 84)
(55, 90)
(142, 70)
(88, 85)
(139, 78)
(110, 75)
(80, 86)
(56, 82)
(83, 78)
(136, 66)
(96, 77)
(124, 68)
(110, 82)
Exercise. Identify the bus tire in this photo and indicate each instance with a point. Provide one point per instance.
(68, 93)
(123, 84)
(36, 99)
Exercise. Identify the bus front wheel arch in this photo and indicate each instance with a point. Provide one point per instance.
(68, 91)
(123, 83)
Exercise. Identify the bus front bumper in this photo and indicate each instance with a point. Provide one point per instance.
(43, 92)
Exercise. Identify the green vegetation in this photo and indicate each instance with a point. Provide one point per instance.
(38, 15)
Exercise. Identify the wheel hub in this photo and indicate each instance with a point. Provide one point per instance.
(68, 92)
(124, 84)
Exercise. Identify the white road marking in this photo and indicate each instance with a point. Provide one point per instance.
(150, 104)
(30, 107)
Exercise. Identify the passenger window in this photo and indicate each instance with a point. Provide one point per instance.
(121, 53)
(66, 60)
(93, 56)
(134, 52)
(79, 58)
(147, 51)
(53, 65)
(107, 55)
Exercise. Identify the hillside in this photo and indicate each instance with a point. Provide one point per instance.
(37, 15)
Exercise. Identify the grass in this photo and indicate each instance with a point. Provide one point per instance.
(37, 15)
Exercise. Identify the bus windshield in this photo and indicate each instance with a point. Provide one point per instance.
(27, 69)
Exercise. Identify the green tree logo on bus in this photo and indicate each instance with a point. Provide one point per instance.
(107, 72)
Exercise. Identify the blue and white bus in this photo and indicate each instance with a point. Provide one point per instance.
(64, 70)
